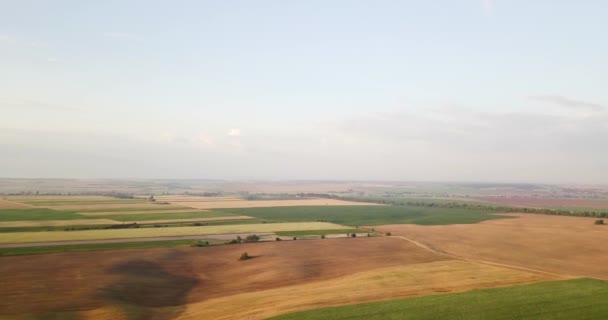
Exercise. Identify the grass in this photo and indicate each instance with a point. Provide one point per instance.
(37, 214)
(368, 215)
(93, 247)
(316, 232)
(19, 237)
(162, 216)
(142, 224)
(571, 299)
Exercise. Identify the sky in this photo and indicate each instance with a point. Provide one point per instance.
(444, 90)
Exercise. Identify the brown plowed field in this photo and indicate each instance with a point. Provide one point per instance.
(564, 245)
(209, 283)
(175, 276)
(547, 202)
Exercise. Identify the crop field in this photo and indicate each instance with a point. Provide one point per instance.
(37, 214)
(105, 213)
(268, 203)
(6, 204)
(22, 237)
(210, 283)
(566, 245)
(570, 299)
(368, 215)
(547, 202)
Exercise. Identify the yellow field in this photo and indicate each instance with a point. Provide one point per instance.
(126, 205)
(269, 203)
(55, 223)
(180, 198)
(168, 212)
(381, 284)
(6, 204)
(19, 237)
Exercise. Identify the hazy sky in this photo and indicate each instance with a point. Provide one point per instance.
(468, 90)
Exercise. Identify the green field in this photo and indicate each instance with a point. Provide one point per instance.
(161, 216)
(37, 214)
(368, 215)
(93, 247)
(571, 299)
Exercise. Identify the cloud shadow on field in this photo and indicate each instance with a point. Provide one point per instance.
(145, 290)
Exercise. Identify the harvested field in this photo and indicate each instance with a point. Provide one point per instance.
(115, 206)
(106, 213)
(375, 285)
(24, 237)
(547, 202)
(55, 223)
(6, 204)
(565, 245)
(209, 283)
(181, 198)
(269, 203)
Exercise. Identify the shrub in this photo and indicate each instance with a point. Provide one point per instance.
(600, 221)
(277, 239)
(388, 234)
(294, 238)
(233, 241)
(239, 239)
(354, 235)
(252, 238)
(245, 256)
(200, 243)
(322, 236)
(369, 235)
(197, 224)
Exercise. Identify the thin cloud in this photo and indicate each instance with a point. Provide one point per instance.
(488, 7)
(568, 103)
(33, 104)
(120, 35)
(234, 133)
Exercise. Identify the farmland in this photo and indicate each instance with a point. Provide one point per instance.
(24, 237)
(567, 245)
(197, 283)
(146, 268)
(368, 215)
(571, 299)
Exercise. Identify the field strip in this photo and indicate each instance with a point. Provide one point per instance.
(375, 285)
(6, 204)
(445, 254)
(271, 203)
(108, 213)
(115, 206)
(56, 223)
(24, 237)
(192, 219)
(223, 237)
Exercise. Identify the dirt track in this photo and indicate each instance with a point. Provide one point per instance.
(563, 245)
